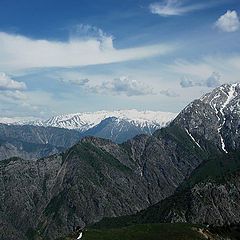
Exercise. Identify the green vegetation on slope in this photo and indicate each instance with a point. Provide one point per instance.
(216, 168)
(144, 232)
(95, 156)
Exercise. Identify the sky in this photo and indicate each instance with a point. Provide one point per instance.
(60, 57)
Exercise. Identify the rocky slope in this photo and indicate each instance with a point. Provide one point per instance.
(14, 148)
(206, 198)
(32, 142)
(210, 196)
(40, 135)
(94, 179)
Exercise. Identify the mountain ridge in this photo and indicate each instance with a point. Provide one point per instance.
(85, 120)
(118, 126)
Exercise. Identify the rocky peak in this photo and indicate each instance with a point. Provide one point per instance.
(222, 96)
(214, 117)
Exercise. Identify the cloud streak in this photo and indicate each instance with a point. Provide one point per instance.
(175, 7)
(19, 52)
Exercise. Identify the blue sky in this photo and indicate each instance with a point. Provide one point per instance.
(72, 56)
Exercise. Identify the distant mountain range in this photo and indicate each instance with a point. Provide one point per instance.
(118, 126)
(84, 121)
(187, 171)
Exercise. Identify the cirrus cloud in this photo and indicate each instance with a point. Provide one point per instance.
(175, 7)
(20, 52)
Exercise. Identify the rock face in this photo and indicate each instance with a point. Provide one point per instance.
(209, 196)
(93, 179)
(214, 203)
(25, 189)
(12, 148)
(32, 142)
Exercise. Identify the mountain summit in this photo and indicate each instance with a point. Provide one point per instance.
(214, 117)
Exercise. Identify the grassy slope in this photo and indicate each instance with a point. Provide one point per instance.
(143, 232)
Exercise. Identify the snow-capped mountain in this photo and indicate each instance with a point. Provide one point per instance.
(118, 126)
(86, 120)
(17, 120)
(216, 117)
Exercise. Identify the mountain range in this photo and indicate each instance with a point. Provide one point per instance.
(41, 138)
(185, 172)
(118, 126)
(86, 120)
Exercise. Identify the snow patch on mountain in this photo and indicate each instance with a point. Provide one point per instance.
(221, 99)
(86, 120)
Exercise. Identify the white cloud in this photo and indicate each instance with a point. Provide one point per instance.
(169, 93)
(76, 81)
(206, 71)
(86, 31)
(14, 95)
(211, 82)
(129, 87)
(72, 77)
(29, 103)
(175, 7)
(229, 22)
(6, 83)
(19, 52)
(123, 85)
(11, 90)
